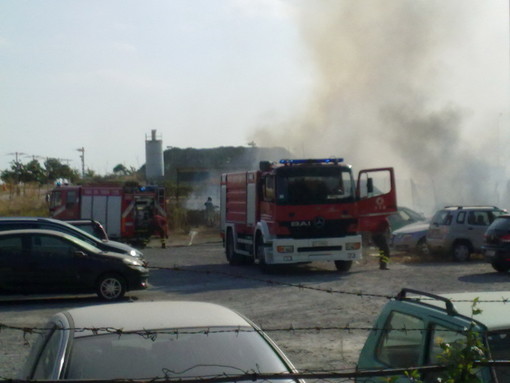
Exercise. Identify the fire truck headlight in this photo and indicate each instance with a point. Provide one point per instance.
(353, 246)
(285, 249)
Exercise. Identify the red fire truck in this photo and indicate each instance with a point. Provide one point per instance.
(302, 211)
(130, 213)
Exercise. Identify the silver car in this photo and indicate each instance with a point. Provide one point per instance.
(145, 340)
(411, 238)
(458, 230)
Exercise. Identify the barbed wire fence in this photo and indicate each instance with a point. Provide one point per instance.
(308, 374)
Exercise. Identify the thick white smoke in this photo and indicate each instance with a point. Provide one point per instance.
(400, 83)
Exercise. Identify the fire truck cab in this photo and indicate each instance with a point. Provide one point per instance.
(303, 210)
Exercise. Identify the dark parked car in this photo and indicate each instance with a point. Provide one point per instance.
(177, 340)
(17, 223)
(90, 226)
(496, 246)
(46, 261)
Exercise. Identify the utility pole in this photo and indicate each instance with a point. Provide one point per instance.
(17, 165)
(34, 157)
(82, 157)
(16, 154)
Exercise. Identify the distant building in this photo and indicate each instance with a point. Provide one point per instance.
(201, 168)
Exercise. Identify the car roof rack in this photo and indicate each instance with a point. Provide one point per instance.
(459, 207)
(450, 308)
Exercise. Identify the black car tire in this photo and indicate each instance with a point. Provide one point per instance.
(421, 247)
(110, 287)
(343, 265)
(233, 258)
(264, 267)
(501, 267)
(461, 251)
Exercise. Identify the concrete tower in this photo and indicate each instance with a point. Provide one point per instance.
(154, 166)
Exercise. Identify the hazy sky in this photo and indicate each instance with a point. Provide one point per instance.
(382, 82)
(102, 74)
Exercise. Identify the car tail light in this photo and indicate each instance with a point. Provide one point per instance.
(505, 238)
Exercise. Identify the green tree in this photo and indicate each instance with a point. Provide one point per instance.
(120, 170)
(14, 174)
(33, 172)
(56, 169)
(90, 173)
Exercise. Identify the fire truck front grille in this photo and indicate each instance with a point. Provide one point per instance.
(327, 228)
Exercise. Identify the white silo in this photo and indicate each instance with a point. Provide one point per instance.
(154, 166)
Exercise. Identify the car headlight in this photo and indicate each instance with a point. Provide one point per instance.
(135, 253)
(132, 262)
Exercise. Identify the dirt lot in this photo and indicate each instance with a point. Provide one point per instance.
(314, 296)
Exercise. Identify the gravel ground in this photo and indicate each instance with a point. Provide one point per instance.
(313, 296)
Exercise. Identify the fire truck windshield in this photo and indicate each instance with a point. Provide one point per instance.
(314, 185)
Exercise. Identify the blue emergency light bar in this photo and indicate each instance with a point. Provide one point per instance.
(312, 161)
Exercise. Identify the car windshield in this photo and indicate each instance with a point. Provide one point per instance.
(173, 354)
(91, 228)
(319, 185)
(83, 244)
(499, 347)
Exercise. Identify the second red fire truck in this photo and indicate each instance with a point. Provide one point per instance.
(129, 212)
(303, 210)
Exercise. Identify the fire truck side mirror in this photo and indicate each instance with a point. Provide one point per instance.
(370, 185)
(264, 166)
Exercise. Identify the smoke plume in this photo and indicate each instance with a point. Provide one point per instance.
(387, 92)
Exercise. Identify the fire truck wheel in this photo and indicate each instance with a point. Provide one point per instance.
(232, 257)
(111, 287)
(343, 265)
(259, 247)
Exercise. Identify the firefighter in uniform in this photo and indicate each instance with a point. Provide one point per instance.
(162, 229)
(209, 212)
(380, 239)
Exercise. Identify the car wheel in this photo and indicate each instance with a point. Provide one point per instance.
(111, 287)
(501, 267)
(461, 252)
(422, 248)
(343, 265)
